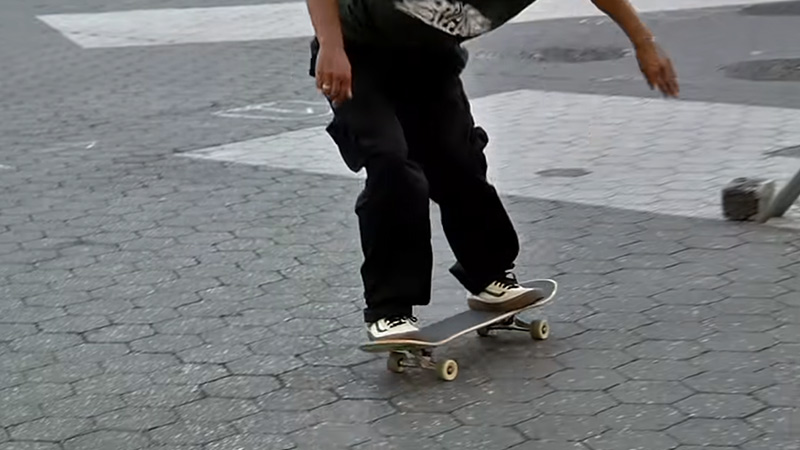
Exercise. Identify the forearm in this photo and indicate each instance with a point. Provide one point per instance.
(621, 12)
(325, 19)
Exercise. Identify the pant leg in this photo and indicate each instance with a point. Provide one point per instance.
(393, 208)
(440, 127)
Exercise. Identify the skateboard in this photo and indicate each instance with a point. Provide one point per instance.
(417, 350)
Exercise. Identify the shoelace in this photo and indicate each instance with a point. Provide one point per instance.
(400, 320)
(509, 282)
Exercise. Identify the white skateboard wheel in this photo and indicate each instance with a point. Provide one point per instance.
(395, 362)
(540, 330)
(447, 370)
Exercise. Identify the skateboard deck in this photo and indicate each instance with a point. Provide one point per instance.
(416, 350)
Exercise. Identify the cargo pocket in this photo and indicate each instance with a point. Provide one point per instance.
(347, 143)
(312, 67)
(478, 142)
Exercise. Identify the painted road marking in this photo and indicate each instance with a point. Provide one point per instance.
(170, 26)
(654, 155)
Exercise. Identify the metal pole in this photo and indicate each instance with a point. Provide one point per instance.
(784, 199)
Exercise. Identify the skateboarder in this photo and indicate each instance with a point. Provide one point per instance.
(391, 70)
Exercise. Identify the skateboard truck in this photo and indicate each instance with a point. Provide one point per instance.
(446, 369)
(538, 329)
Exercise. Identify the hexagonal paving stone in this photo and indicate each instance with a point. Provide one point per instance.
(166, 343)
(120, 333)
(353, 411)
(29, 445)
(576, 402)
(467, 437)
(136, 419)
(738, 342)
(495, 413)
(549, 445)
(677, 331)
(118, 383)
(30, 393)
(658, 370)
(679, 313)
(215, 354)
(337, 356)
(641, 417)
(442, 399)
(264, 365)
(504, 390)
(614, 321)
(742, 323)
(295, 400)
(102, 440)
(584, 379)
(189, 433)
(92, 352)
(631, 440)
(777, 421)
(719, 406)
(189, 325)
(674, 350)
(770, 442)
(252, 442)
(423, 424)
(317, 377)
(785, 353)
(242, 386)
(603, 339)
(779, 395)
(729, 382)
(400, 443)
(287, 345)
(45, 342)
(786, 333)
(594, 358)
(50, 429)
(730, 362)
(189, 374)
(623, 304)
(216, 410)
(562, 428)
(276, 422)
(720, 432)
(694, 297)
(84, 406)
(650, 392)
(163, 396)
(329, 435)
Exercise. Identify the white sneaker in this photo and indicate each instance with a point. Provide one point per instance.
(392, 327)
(504, 295)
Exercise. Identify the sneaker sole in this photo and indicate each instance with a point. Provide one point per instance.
(408, 335)
(520, 302)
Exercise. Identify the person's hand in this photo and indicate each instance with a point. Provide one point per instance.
(657, 69)
(334, 77)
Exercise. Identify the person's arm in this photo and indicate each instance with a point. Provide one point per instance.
(655, 65)
(333, 71)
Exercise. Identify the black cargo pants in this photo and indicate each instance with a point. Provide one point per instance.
(410, 126)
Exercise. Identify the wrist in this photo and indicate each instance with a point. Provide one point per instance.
(642, 42)
(331, 43)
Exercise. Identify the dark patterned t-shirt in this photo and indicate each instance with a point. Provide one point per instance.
(424, 22)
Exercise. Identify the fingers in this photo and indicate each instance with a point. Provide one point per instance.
(663, 78)
(336, 88)
(667, 81)
(671, 79)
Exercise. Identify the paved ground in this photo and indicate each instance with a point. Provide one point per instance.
(153, 300)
